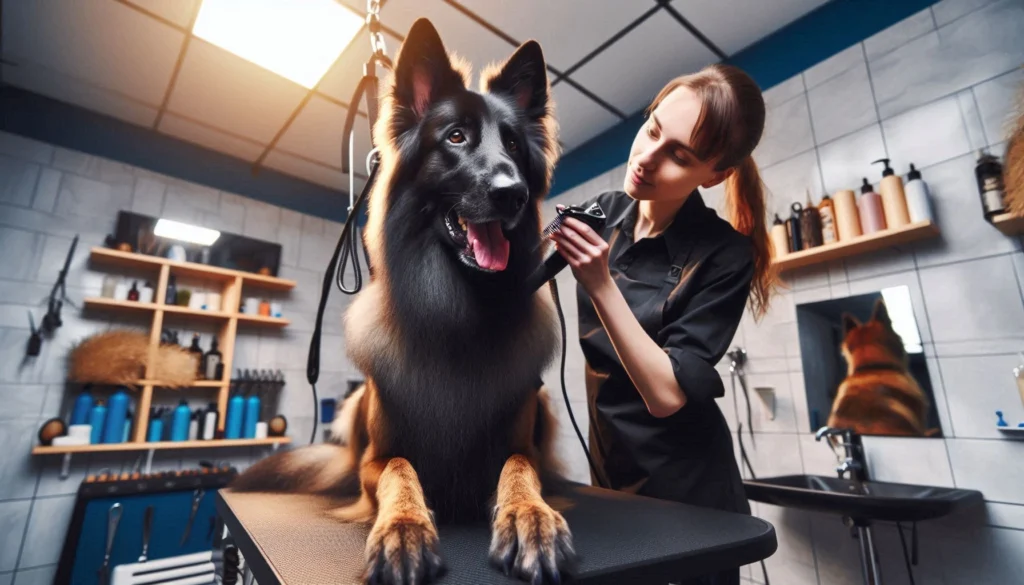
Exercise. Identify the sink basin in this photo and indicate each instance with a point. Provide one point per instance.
(867, 500)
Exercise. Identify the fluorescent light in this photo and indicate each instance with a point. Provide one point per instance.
(297, 39)
(901, 313)
(176, 230)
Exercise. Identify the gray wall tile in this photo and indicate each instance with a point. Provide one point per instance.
(978, 387)
(21, 401)
(17, 181)
(846, 160)
(50, 516)
(998, 102)
(6, 578)
(841, 62)
(37, 576)
(925, 136)
(23, 265)
(899, 34)
(790, 181)
(25, 148)
(842, 104)
(972, 119)
(989, 308)
(784, 91)
(947, 11)
(787, 132)
(983, 466)
(261, 220)
(13, 518)
(908, 460)
(148, 196)
(793, 562)
(47, 190)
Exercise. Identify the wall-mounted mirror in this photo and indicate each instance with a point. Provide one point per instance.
(864, 366)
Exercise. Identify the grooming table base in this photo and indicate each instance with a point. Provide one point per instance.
(620, 538)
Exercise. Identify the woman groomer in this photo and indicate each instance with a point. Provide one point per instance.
(662, 290)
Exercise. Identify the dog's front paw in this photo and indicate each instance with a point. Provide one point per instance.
(532, 541)
(402, 551)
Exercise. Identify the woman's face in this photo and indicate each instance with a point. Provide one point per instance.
(662, 165)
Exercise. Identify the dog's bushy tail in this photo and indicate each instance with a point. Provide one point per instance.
(317, 469)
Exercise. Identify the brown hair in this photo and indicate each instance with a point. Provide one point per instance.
(729, 127)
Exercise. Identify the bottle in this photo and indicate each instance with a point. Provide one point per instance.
(179, 422)
(793, 227)
(133, 294)
(211, 360)
(210, 418)
(172, 291)
(252, 416)
(780, 239)
(847, 216)
(828, 220)
(872, 216)
(264, 308)
(918, 200)
(117, 408)
(197, 351)
(146, 294)
(156, 426)
(80, 413)
(1018, 374)
(127, 426)
(109, 286)
(894, 200)
(810, 226)
(233, 421)
(989, 174)
(96, 417)
(193, 425)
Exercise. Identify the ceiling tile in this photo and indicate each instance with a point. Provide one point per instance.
(340, 80)
(579, 117)
(209, 137)
(718, 22)
(549, 22)
(316, 133)
(459, 33)
(107, 43)
(37, 79)
(180, 12)
(222, 90)
(310, 171)
(632, 71)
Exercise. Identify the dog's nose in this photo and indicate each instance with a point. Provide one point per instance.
(508, 194)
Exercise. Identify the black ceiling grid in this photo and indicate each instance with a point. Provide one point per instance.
(177, 66)
(695, 31)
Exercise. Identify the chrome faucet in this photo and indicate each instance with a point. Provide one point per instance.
(854, 463)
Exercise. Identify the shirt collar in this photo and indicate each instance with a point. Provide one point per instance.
(675, 236)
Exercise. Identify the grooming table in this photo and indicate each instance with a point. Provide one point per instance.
(620, 538)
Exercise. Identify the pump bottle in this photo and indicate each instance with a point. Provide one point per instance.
(894, 200)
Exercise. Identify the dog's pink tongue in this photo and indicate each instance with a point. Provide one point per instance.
(490, 248)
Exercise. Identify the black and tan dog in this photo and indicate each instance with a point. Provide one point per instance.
(451, 423)
(878, 396)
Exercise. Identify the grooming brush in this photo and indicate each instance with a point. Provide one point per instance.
(592, 215)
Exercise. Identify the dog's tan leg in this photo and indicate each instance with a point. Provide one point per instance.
(529, 538)
(402, 546)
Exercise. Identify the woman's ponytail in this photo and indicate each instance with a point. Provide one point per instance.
(745, 207)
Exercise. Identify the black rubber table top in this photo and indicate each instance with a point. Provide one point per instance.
(620, 538)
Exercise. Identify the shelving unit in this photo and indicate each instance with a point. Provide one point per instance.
(1009, 224)
(860, 245)
(229, 319)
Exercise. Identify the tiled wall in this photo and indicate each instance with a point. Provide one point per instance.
(932, 90)
(49, 194)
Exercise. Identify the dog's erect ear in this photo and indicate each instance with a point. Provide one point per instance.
(849, 323)
(881, 313)
(523, 77)
(423, 71)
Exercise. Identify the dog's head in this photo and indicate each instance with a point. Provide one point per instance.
(873, 342)
(462, 171)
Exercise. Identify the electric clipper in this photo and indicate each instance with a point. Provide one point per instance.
(592, 215)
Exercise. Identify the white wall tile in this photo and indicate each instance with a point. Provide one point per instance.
(947, 11)
(899, 34)
(47, 190)
(984, 465)
(148, 197)
(23, 265)
(989, 308)
(926, 135)
(787, 131)
(49, 516)
(837, 64)
(998, 103)
(37, 576)
(784, 91)
(842, 104)
(908, 460)
(845, 161)
(26, 149)
(17, 181)
(262, 220)
(790, 181)
(978, 386)
(818, 458)
(772, 454)
(837, 553)
(793, 562)
(785, 411)
(13, 517)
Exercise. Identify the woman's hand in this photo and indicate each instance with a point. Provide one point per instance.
(586, 252)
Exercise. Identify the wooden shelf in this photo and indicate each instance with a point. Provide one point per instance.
(144, 446)
(135, 306)
(1009, 223)
(261, 320)
(196, 384)
(859, 245)
(133, 260)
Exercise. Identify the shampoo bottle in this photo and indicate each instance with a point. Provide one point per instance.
(156, 426)
(96, 417)
(233, 421)
(847, 216)
(193, 425)
(827, 210)
(179, 422)
(793, 227)
(210, 422)
(780, 239)
(80, 414)
(810, 226)
(919, 203)
(252, 416)
(894, 200)
(872, 216)
(989, 174)
(117, 409)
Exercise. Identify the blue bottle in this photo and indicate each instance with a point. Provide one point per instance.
(179, 423)
(233, 422)
(156, 427)
(80, 414)
(96, 418)
(117, 409)
(252, 416)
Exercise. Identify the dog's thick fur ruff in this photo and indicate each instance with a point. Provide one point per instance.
(451, 423)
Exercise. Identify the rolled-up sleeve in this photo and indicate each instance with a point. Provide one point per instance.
(703, 326)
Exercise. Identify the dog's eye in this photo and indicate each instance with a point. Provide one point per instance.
(513, 146)
(456, 137)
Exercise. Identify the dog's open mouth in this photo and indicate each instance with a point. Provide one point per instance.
(482, 245)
